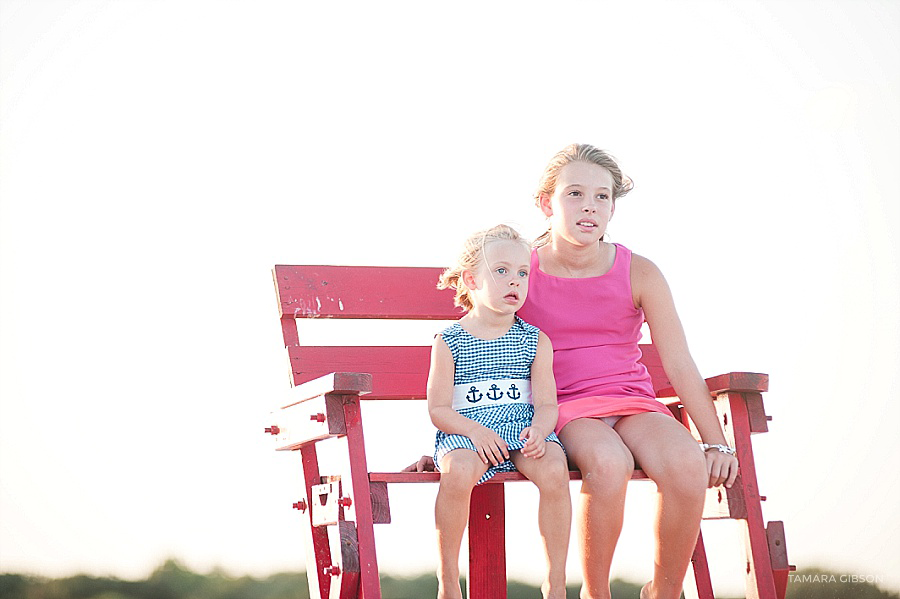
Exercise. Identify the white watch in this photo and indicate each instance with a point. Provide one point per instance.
(722, 448)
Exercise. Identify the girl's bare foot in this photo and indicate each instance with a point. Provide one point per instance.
(647, 594)
(549, 591)
(449, 589)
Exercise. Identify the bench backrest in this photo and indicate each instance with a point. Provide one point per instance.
(375, 292)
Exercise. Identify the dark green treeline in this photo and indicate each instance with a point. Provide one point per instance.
(173, 581)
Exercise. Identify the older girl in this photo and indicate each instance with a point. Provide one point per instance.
(591, 297)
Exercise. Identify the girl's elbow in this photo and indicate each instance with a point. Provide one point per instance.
(436, 414)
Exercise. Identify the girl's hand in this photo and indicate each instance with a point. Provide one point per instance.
(722, 468)
(490, 446)
(425, 464)
(535, 444)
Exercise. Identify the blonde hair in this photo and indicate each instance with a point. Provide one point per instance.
(472, 257)
(622, 184)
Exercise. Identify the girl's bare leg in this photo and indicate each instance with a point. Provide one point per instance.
(606, 466)
(670, 456)
(550, 473)
(460, 470)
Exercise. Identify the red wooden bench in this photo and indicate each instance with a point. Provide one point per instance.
(340, 508)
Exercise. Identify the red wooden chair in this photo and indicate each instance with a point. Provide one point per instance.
(340, 508)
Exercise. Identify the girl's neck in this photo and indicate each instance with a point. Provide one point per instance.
(485, 324)
(565, 259)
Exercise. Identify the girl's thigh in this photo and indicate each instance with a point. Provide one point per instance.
(660, 444)
(592, 444)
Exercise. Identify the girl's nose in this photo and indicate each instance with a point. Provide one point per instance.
(589, 208)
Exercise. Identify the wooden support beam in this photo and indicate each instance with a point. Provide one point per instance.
(318, 551)
(487, 543)
(703, 582)
(360, 495)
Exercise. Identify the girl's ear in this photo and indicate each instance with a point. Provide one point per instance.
(545, 205)
(468, 279)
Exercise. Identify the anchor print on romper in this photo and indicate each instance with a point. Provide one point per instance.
(494, 393)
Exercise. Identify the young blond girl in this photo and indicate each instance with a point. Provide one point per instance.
(492, 396)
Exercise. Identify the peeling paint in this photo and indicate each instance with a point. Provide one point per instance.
(341, 305)
(318, 304)
(303, 310)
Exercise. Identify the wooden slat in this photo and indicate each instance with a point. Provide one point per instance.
(363, 292)
(398, 372)
(501, 477)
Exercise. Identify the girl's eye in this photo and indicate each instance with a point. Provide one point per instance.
(574, 192)
(603, 196)
(523, 273)
(501, 271)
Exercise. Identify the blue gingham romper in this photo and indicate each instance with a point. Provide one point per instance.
(477, 360)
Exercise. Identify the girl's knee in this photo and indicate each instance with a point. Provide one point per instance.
(684, 473)
(606, 467)
(461, 471)
(553, 473)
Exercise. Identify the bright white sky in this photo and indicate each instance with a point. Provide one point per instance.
(158, 157)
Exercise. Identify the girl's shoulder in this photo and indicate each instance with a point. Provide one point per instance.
(452, 332)
(647, 280)
(527, 328)
(643, 267)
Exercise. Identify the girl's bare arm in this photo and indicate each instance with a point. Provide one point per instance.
(491, 447)
(652, 293)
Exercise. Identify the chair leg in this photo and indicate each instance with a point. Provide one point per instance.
(345, 579)
(778, 554)
(487, 543)
(361, 497)
(760, 579)
(318, 554)
(701, 570)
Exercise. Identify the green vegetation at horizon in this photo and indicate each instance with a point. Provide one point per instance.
(172, 580)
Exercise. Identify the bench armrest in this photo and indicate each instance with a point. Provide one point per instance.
(737, 382)
(336, 383)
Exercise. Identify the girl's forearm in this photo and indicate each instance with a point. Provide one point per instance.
(545, 418)
(451, 422)
(694, 395)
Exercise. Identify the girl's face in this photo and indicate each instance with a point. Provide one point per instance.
(581, 205)
(500, 283)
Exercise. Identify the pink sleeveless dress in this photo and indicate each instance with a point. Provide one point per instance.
(595, 329)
